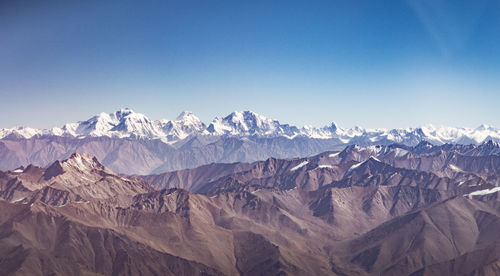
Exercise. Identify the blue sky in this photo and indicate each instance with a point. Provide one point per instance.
(368, 63)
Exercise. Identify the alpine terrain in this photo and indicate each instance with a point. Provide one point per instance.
(365, 210)
(129, 142)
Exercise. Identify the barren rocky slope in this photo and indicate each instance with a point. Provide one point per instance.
(361, 211)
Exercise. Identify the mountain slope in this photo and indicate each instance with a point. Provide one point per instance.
(336, 213)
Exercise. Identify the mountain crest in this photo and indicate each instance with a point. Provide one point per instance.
(248, 123)
(126, 123)
(186, 116)
(77, 163)
(242, 123)
(370, 165)
(83, 161)
(491, 143)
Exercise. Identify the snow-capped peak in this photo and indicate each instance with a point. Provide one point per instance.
(184, 125)
(81, 161)
(125, 123)
(491, 143)
(187, 116)
(247, 123)
(484, 127)
(242, 123)
(122, 123)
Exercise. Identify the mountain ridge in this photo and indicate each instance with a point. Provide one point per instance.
(304, 216)
(126, 123)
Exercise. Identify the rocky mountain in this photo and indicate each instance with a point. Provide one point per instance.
(378, 210)
(421, 165)
(80, 177)
(129, 142)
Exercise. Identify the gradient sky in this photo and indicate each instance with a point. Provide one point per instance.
(367, 63)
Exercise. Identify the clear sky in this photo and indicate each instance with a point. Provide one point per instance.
(368, 63)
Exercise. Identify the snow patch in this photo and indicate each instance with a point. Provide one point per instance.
(484, 192)
(398, 152)
(87, 179)
(354, 167)
(334, 154)
(299, 166)
(375, 158)
(19, 199)
(253, 192)
(455, 168)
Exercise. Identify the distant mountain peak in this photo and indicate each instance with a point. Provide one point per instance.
(184, 115)
(126, 123)
(423, 145)
(184, 125)
(188, 118)
(493, 143)
(248, 119)
(248, 123)
(484, 127)
(126, 110)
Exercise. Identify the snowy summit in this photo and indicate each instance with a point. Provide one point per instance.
(126, 123)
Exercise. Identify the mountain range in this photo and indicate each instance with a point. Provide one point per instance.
(129, 142)
(365, 210)
(126, 123)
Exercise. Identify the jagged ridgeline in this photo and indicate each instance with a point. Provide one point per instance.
(364, 210)
(129, 142)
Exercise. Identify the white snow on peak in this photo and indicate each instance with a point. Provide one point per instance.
(188, 117)
(26, 132)
(246, 123)
(82, 162)
(441, 135)
(184, 125)
(126, 123)
(361, 163)
(299, 166)
(121, 124)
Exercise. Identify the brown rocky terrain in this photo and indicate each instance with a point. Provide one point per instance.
(361, 211)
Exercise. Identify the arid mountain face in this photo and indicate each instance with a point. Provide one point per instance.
(381, 210)
(146, 156)
(439, 167)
